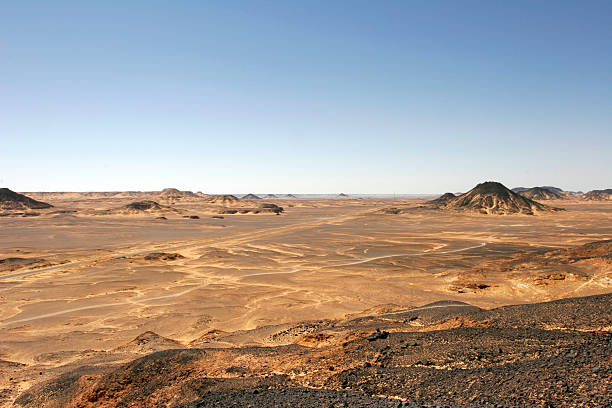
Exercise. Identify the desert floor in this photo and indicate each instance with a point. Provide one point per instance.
(92, 291)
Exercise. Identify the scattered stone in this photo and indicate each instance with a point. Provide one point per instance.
(264, 208)
(378, 335)
(163, 256)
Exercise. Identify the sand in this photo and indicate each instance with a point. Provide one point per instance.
(320, 259)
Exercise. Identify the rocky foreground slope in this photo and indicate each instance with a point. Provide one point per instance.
(444, 354)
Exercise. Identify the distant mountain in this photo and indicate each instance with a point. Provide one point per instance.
(599, 195)
(343, 195)
(290, 196)
(557, 192)
(225, 199)
(175, 194)
(142, 206)
(443, 199)
(551, 188)
(251, 197)
(270, 196)
(543, 193)
(10, 200)
(493, 198)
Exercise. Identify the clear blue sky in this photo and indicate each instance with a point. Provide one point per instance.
(309, 96)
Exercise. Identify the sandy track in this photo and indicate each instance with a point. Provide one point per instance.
(366, 260)
(227, 279)
(126, 302)
(238, 238)
(427, 252)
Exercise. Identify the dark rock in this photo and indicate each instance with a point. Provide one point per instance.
(377, 335)
(163, 256)
(146, 205)
(251, 197)
(10, 200)
(491, 198)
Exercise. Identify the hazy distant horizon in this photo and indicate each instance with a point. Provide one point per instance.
(357, 97)
(297, 194)
(329, 193)
(262, 195)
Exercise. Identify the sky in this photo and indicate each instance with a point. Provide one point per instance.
(284, 96)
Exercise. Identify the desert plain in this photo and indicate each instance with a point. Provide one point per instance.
(83, 281)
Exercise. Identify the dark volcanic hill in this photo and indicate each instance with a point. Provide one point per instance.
(494, 198)
(10, 200)
(541, 193)
(176, 194)
(444, 198)
(270, 196)
(558, 193)
(225, 199)
(142, 206)
(551, 188)
(599, 194)
(251, 196)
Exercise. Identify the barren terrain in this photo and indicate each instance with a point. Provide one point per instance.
(87, 283)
